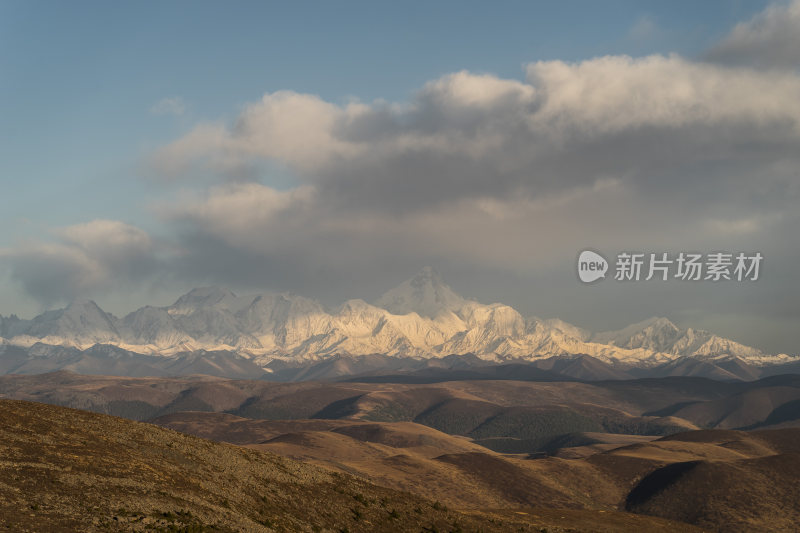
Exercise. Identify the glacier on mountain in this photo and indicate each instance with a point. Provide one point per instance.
(420, 318)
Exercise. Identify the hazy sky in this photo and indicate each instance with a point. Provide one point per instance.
(333, 149)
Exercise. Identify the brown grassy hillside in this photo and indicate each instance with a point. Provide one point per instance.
(734, 481)
(69, 470)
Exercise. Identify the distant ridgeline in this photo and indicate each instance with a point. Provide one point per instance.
(419, 321)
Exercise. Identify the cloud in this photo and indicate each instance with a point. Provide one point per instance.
(771, 39)
(494, 179)
(299, 226)
(497, 182)
(644, 28)
(297, 129)
(87, 258)
(169, 106)
(465, 135)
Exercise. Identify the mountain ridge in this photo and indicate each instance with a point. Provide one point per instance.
(420, 318)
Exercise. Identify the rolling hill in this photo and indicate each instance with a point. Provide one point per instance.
(510, 446)
(719, 480)
(71, 470)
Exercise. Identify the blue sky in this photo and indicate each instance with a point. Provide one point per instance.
(91, 92)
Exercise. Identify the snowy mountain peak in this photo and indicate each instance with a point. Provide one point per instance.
(659, 322)
(80, 320)
(427, 274)
(422, 317)
(425, 294)
(82, 303)
(84, 311)
(556, 324)
(657, 333)
(202, 297)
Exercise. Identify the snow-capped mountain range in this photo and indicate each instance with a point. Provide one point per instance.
(421, 318)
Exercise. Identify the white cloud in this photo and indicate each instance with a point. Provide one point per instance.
(770, 39)
(618, 93)
(502, 127)
(644, 28)
(658, 137)
(248, 215)
(484, 174)
(106, 237)
(169, 106)
(297, 129)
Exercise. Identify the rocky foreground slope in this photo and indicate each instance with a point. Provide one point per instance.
(69, 470)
